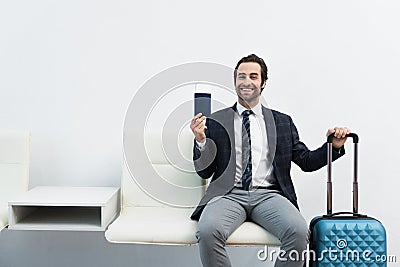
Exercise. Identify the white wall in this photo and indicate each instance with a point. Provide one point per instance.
(68, 70)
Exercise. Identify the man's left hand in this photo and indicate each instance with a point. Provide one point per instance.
(339, 137)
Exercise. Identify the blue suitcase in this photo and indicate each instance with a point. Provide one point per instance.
(346, 238)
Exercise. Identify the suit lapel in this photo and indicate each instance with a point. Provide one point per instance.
(228, 123)
(271, 133)
(230, 128)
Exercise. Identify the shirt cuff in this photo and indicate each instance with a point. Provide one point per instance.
(201, 145)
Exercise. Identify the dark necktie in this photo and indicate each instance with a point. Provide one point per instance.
(246, 150)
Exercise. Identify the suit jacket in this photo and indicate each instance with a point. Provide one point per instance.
(218, 159)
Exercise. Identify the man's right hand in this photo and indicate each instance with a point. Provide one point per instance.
(198, 126)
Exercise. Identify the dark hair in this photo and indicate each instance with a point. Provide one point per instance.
(256, 59)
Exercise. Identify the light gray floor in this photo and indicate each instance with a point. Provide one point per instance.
(66, 248)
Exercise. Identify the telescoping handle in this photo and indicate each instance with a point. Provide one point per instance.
(355, 181)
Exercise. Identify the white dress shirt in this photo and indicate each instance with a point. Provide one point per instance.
(262, 170)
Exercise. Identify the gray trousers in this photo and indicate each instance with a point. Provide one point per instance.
(272, 211)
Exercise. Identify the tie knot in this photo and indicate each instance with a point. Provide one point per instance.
(247, 113)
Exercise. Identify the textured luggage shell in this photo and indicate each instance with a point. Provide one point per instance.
(346, 239)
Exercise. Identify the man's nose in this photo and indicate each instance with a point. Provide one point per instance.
(247, 81)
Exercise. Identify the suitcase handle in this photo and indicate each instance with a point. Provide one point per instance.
(345, 213)
(352, 135)
(355, 181)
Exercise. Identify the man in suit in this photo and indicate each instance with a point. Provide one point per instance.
(247, 149)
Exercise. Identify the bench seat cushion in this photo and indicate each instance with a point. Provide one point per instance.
(168, 225)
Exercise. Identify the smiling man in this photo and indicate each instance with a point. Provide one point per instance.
(247, 149)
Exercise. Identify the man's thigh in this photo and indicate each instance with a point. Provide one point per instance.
(277, 215)
(221, 215)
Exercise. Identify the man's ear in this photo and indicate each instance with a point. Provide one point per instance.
(263, 86)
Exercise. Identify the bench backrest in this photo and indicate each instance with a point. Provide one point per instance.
(174, 182)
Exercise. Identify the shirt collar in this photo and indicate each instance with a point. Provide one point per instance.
(257, 109)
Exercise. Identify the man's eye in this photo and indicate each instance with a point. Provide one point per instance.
(253, 77)
(242, 76)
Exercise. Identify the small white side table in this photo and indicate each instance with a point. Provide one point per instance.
(64, 208)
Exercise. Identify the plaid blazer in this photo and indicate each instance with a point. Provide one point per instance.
(218, 159)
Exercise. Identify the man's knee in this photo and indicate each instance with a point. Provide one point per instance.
(297, 234)
(211, 232)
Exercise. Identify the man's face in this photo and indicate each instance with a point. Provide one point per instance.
(248, 83)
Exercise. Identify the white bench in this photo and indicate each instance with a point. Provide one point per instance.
(145, 220)
(14, 168)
